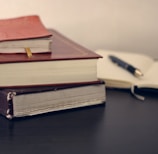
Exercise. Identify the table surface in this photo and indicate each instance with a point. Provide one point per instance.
(125, 125)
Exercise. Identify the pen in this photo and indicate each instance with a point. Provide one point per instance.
(133, 70)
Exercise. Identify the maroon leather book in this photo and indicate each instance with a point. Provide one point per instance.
(67, 63)
(24, 27)
(62, 49)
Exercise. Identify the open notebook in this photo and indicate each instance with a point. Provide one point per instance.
(117, 77)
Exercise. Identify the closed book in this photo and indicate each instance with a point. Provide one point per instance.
(21, 102)
(68, 62)
(19, 33)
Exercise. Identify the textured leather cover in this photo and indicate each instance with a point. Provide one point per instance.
(62, 49)
(22, 28)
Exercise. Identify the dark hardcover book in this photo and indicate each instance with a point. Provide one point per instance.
(21, 102)
(68, 62)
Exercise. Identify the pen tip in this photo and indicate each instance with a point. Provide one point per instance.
(138, 73)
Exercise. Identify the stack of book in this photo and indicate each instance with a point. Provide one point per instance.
(61, 76)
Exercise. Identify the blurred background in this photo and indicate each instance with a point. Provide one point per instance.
(123, 25)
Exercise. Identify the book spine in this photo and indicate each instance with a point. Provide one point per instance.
(6, 104)
(10, 113)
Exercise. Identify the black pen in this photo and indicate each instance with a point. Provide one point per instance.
(133, 70)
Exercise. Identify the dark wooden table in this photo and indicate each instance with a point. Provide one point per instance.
(124, 125)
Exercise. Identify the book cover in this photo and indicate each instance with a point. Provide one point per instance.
(25, 27)
(23, 34)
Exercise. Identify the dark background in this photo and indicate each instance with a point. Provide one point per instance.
(125, 125)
